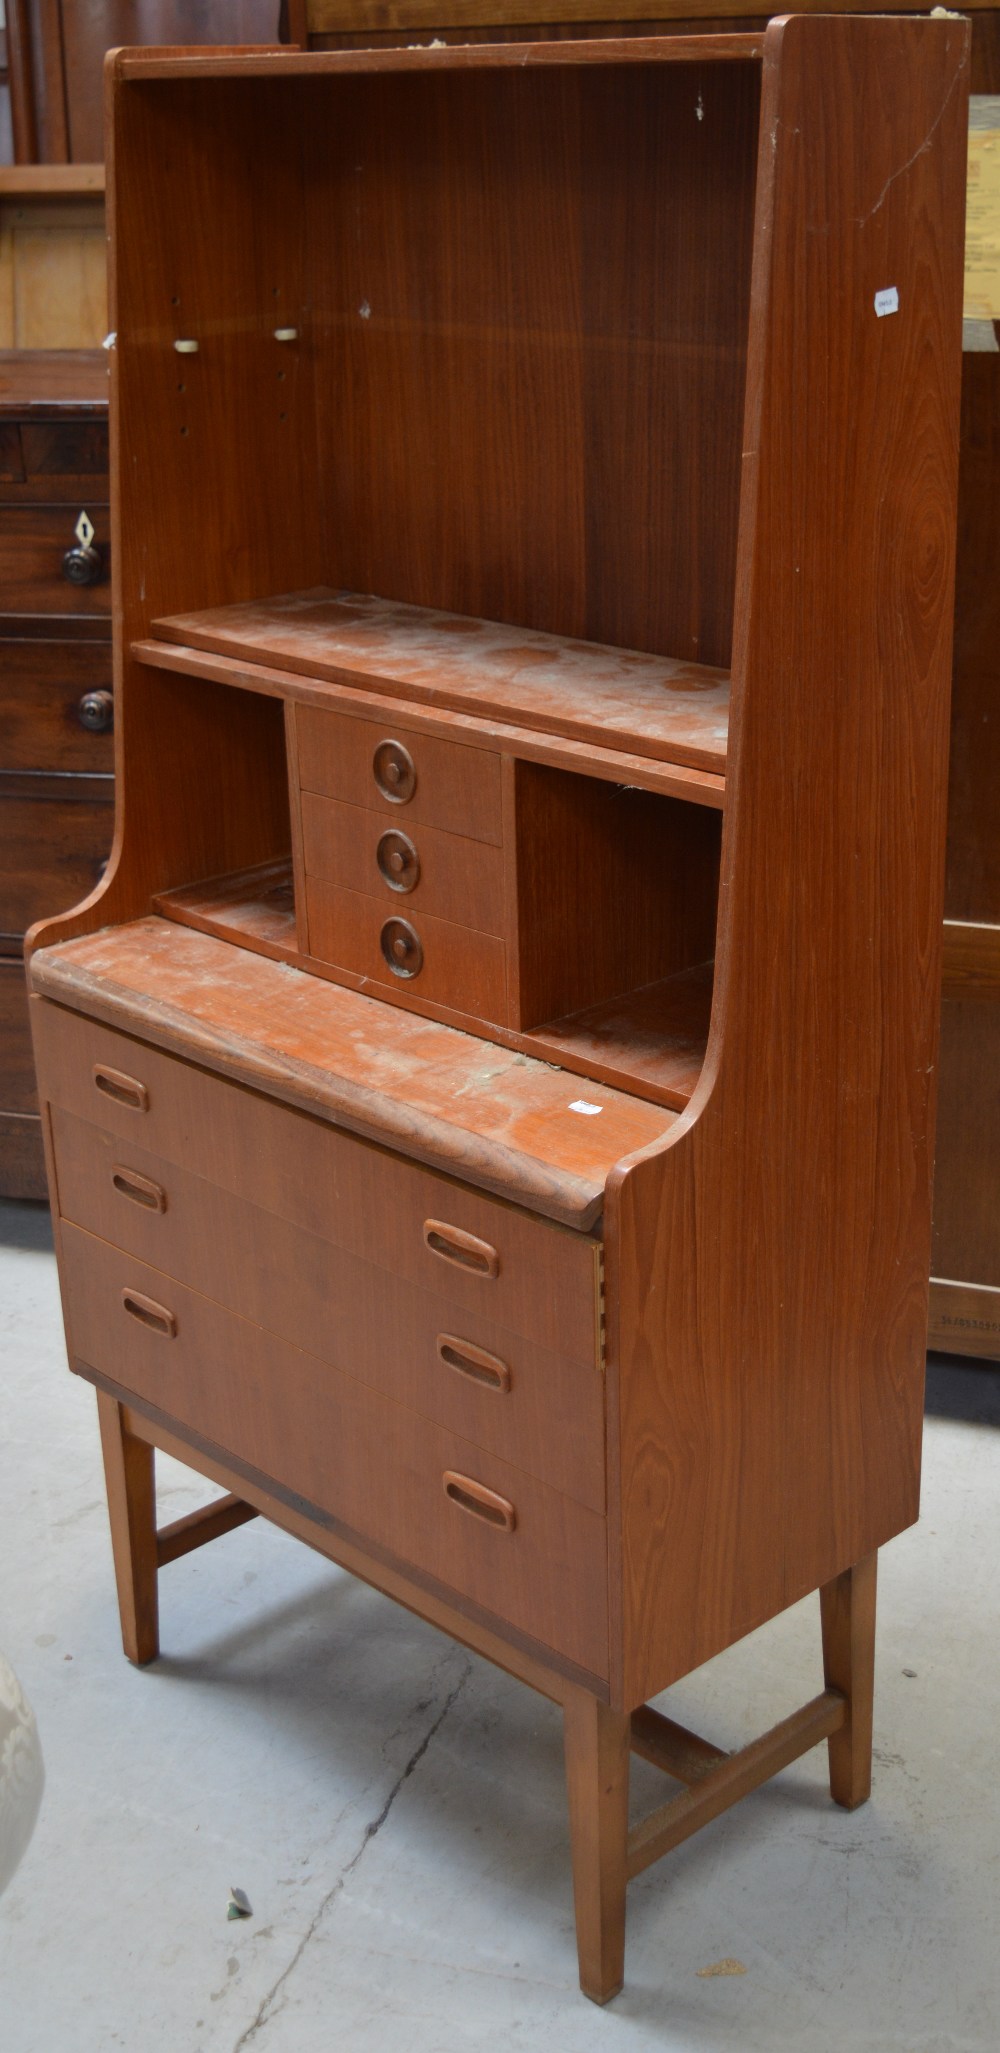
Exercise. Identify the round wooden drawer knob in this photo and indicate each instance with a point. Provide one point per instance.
(395, 773)
(402, 948)
(82, 565)
(398, 861)
(96, 711)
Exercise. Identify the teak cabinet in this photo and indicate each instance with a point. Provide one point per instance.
(490, 1095)
(56, 707)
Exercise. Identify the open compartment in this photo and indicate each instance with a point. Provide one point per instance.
(617, 893)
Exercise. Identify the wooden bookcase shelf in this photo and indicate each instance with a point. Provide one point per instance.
(675, 712)
(490, 1095)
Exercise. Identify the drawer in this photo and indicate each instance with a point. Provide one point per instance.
(491, 1259)
(406, 866)
(403, 772)
(468, 1373)
(435, 1502)
(34, 541)
(407, 952)
(55, 709)
(17, 1074)
(65, 450)
(55, 838)
(11, 457)
(54, 460)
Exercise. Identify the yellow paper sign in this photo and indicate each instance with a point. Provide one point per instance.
(982, 222)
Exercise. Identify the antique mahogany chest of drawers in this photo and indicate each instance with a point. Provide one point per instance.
(56, 747)
(488, 1099)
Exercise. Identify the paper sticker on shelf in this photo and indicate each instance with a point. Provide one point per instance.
(982, 220)
(582, 1105)
(887, 301)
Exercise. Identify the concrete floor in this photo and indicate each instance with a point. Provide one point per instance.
(394, 1807)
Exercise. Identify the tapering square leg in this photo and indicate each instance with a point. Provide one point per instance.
(597, 1765)
(847, 1612)
(129, 1475)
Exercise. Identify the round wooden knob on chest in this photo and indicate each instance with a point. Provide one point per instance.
(402, 948)
(95, 711)
(82, 565)
(398, 861)
(394, 771)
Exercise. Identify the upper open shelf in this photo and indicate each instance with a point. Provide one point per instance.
(674, 712)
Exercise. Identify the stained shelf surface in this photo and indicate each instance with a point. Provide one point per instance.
(496, 1118)
(652, 706)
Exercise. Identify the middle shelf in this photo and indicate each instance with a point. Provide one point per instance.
(645, 705)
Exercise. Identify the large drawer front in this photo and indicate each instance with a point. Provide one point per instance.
(491, 1259)
(480, 1527)
(467, 1372)
(55, 709)
(34, 541)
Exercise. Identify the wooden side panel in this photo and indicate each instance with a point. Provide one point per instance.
(770, 1262)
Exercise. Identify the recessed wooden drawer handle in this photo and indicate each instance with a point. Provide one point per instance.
(139, 1189)
(125, 1090)
(462, 1248)
(474, 1362)
(480, 1501)
(149, 1313)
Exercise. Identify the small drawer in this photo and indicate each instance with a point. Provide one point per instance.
(411, 868)
(56, 712)
(41, 570)
(525, 1273)
(55, 838)
(437, 1503)
(416, 955)
(403, 772)
(418, 1346)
